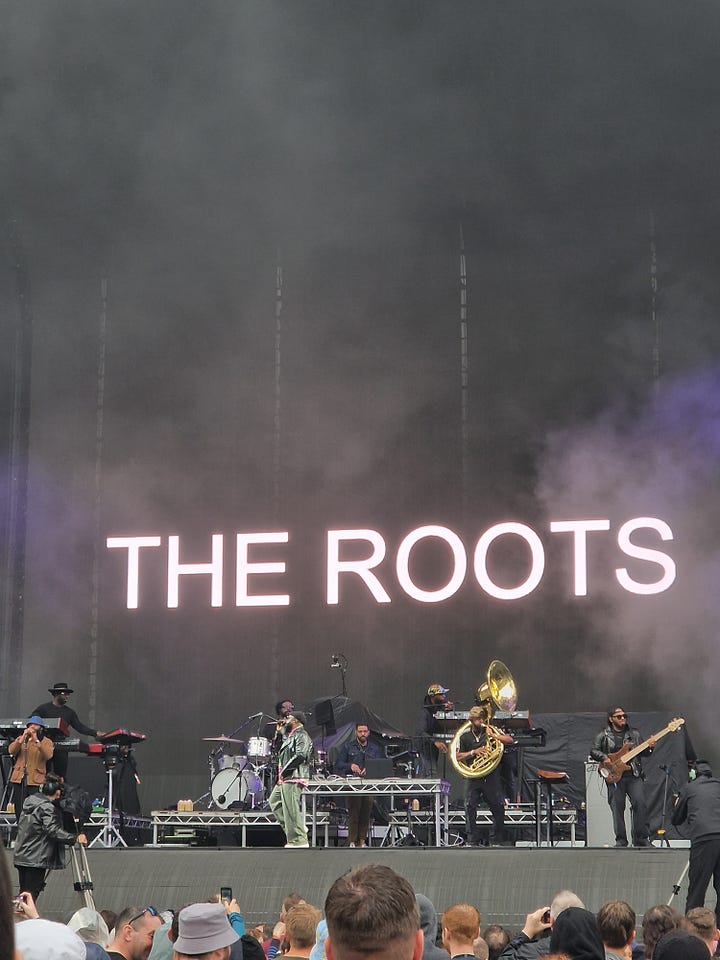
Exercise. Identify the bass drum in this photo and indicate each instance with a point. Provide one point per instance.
(237, 786)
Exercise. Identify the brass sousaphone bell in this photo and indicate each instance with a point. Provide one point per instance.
(499, 690)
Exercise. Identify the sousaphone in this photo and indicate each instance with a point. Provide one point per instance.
(499, 690)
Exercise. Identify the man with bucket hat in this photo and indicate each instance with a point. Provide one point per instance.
(31, 752)
(57, 708)
(204, 930)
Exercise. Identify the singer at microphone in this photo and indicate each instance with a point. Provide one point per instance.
(32, 750)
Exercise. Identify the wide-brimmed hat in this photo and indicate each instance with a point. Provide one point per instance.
(60, 688)
(203, 927)
(35, 719)
(435, 689)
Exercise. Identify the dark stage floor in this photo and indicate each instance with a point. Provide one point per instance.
(504, 883)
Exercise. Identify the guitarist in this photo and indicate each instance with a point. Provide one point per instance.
(631, 784)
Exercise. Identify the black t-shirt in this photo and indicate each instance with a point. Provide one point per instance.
(49, 711)
(468, 741)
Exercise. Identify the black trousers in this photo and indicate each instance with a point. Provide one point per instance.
(704, 863)
(32, 880)
(489, 789)
(632, 788)
(359, 812)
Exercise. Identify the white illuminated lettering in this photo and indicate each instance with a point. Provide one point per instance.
(246, 569)
(579, 529)
(133, 546)
(459, 564)
(537, 554)
(362, 568)
(177, 569)
(644, 553)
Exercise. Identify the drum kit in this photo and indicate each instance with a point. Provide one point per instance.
(240, 770)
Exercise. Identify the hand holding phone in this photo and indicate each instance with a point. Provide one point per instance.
(226, 894)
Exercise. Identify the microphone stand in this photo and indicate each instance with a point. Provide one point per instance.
(340, 661)
(661, 831)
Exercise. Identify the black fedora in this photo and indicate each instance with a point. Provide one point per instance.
(60, 688)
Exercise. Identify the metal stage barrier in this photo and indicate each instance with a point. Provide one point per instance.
(519, 816)
(93, 825)
(438, 791)
(439, 820)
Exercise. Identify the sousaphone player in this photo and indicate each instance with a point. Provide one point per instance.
(476, 751)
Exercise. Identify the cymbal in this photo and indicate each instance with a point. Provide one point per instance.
(224, 739)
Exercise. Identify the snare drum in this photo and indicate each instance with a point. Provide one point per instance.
(237, 786)
(258, 749)
(228, 762)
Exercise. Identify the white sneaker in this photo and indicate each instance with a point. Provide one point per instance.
(351, 844)
(293, 845)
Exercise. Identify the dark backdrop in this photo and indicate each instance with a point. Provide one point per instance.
(339, 265)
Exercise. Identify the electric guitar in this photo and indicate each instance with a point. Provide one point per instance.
(617, 763)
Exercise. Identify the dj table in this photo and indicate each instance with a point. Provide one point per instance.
(438, 791)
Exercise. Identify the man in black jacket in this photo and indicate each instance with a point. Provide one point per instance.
(630, 785)
(698, 806)
(41, 839)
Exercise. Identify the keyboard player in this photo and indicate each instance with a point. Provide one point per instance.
(428, 732)
(58, 708)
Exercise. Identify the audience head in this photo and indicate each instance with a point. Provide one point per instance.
(704, 924)
(204, 931)
(46, 940)
(657, 921)
(480, 949)
(290, 901)
(134, 929)
(616, 923)
(428, 917)
(575, 932)
(90, 926)
(300, 925)
(680, 945)
(561, 901)
(497, 938)
(460, 927)
(372, 914)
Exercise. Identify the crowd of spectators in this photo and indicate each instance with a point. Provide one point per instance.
(369, 913)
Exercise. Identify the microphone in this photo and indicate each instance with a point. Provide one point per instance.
(334, 660)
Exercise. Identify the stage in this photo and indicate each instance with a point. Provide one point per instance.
(504, 883)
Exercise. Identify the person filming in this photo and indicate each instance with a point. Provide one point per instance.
(41, 838)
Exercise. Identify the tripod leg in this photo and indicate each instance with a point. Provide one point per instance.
(679, 883)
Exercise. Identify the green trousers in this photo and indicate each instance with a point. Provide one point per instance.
(285, 805)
